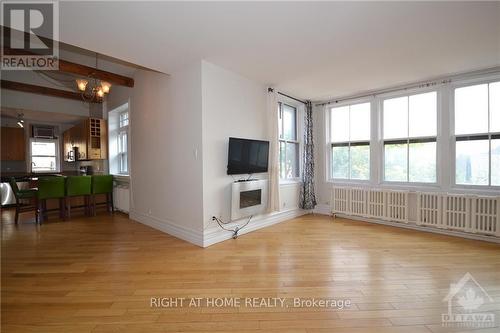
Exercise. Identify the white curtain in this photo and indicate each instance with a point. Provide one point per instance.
(274, 171)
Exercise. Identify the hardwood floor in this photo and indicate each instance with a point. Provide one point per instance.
(99, 274)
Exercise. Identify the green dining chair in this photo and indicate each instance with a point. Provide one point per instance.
(78, 186)
(22, 196)
(103, 184)
(51, 188)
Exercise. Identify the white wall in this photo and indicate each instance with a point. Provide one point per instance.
(166, 152)
(179, 130)
(232, 106)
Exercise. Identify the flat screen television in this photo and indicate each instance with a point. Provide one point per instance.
(247, 156)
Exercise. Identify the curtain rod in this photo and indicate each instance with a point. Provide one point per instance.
(422, 84)
(282, 94)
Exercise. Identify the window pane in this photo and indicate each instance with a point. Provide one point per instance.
(396, 118)
(495, 162)
(471, 109)
(472, 162)
(339, 124)
(123, 163)
(43, 148)
(292, 160)
(280, 120)
(495, 107)
(289, 122)
(395, 162)
(122, 142)
(282, 159)
(43, 163)
(123, 119)
(359, 122)
(360, 162)
(340, 162)
(422, 160)
(423, 114)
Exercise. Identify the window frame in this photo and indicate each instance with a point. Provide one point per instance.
(120, 154)
(330, 143)
(453, 137)
(381, 141)
(56, 155)
(298, 134)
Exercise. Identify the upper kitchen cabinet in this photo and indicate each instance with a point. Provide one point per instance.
(86, 141)
(13, 144)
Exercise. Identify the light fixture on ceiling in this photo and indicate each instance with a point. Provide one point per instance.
(92, 88)
(20, 120)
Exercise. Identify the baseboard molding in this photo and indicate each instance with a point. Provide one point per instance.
(413, 226)
(215, 235)
(189, 235)
(322, 209)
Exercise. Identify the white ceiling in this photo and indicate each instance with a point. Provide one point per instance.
(310, 50)
(40, 116)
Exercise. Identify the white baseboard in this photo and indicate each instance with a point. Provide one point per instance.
(192, 236)
(322, 209)
(214, 234)
(414, 226)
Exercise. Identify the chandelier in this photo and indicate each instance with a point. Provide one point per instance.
(91, 88)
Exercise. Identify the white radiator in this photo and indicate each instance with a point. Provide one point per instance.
(485, 217)
(358, 201)
(397, 206)
(429, 210)
(467, 213)
(121, 198)
(456, 212)
(376, 203)
(340, 200)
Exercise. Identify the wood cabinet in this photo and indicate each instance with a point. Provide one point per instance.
(13, 144)
(89, 137)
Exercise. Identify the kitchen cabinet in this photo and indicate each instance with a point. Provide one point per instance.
(13, 144)
(89, 138)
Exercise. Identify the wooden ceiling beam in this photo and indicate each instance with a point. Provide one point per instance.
(40, 90)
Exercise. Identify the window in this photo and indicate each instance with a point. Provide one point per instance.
(123, 144)
(118, 133)
(123, 119)
(350, 141)
(44, 155)
(477, 134)
(288, 141)
(409, 133)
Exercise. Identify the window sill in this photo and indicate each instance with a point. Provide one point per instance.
(289, 182)
(349, 182)
(121, 177)
(475, 189)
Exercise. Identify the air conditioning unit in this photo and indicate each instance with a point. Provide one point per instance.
(43, 132)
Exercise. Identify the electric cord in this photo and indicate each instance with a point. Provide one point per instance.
(235, 230)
